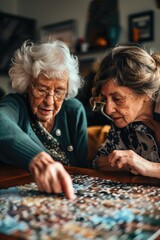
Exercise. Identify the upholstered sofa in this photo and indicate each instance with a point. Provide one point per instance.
(96, 136)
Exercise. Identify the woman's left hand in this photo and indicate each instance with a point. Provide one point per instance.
(136, 163)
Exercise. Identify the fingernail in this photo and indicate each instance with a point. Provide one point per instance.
(73, 197)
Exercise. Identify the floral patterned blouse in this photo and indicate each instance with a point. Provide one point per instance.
(136, 136)
(49, 142)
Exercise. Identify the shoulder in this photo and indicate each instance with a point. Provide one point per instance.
(73, 104)
(13, 98)
(74, 109)
(14, 101)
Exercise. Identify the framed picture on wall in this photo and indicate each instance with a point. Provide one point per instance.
(65, 31)
(14, 30)
(141, 27)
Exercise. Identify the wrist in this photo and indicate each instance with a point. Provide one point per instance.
(153, 170)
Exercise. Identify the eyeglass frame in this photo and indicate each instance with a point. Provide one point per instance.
(47, 93)
(100, 107)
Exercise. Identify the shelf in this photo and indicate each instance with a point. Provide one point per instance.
(96, 54)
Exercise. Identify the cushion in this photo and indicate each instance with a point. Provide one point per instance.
(96, 136)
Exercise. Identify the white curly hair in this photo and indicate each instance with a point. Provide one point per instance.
(53, 59)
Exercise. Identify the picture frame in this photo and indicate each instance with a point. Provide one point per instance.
(65, 31)
(141, 27)
(14, 31)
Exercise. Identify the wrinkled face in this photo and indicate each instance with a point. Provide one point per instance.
(122, 104)
(46, 97)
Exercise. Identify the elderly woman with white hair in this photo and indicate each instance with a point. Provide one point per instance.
(43, 126)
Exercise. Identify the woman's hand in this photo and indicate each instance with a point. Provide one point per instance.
(50, 175)
(136, 164)
(104, 165)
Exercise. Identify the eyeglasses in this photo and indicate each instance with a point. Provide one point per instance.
(98, 105)
(39, 92)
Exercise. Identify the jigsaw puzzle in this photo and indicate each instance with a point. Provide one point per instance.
(103, 209)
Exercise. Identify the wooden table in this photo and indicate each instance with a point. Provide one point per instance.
(13, 176)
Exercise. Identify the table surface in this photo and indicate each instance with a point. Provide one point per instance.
(13, 176)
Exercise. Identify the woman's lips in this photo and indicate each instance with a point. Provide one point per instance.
(45, 111)
(116, 118)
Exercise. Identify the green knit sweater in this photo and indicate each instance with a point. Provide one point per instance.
(18, 142)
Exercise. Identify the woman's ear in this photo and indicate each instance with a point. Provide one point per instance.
(147, 97)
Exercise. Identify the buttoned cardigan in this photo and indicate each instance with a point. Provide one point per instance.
(18, 142)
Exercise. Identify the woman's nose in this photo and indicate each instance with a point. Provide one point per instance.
(110, 107)
(49, 99)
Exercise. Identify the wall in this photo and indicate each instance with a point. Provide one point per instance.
(52, 11)
(130, 7)
(9, 6)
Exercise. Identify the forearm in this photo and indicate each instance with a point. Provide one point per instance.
(18, 154)
(16, 146)
(152, 169)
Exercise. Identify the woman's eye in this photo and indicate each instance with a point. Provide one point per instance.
(117, 99)
(59, 91)
(42, 91)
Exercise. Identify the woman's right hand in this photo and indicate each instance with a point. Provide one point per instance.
(50, 176)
